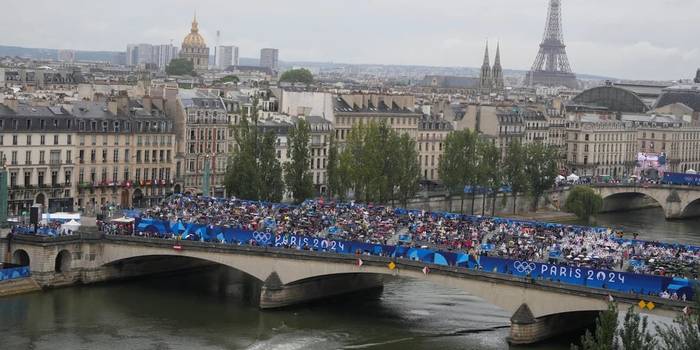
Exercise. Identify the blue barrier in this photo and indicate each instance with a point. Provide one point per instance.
(14, 273)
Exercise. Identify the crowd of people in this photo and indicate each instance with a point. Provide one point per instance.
(532, 241)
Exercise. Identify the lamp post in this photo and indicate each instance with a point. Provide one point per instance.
(205, 182)
(3, 192)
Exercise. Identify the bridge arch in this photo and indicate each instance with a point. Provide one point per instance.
(63, 261)
(20, 257)
(622, 200)
(292, 268)
(692, 209)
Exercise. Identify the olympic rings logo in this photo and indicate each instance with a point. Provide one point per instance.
(524, 266)
(262, 237)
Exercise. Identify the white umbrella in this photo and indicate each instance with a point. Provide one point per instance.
(71, 225)
(572, 177)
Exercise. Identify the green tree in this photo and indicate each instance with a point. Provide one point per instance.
(408, 172)
(253, 170)
(604, 336)
(180, 66)
(229, 79)
(297, 175)
(541, 169)
(684, 333)
(634, 333)
(514, 171)
(269, 170)
(301, 75)
(490, 173)
(584, 202)
(378, 164)
(460, 163)
(332, 168)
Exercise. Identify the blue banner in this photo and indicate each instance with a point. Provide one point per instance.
(582, 276)
(14, 273)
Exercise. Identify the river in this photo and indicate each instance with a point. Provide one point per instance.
(192, 311)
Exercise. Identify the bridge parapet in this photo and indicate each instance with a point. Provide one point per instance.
(302, 275)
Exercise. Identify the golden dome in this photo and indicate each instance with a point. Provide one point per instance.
(194, 39)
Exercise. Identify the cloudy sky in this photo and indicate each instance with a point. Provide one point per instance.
(633, 39)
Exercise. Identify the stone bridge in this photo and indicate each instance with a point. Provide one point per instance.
(677, 202)
(540, 309)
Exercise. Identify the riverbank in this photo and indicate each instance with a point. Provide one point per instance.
(18, 286)
(542, 215)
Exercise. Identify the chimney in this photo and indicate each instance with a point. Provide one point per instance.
(11, 103)
(147, 104)
(112, 105)
(122, 102)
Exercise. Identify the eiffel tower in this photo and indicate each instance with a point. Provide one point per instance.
(551, 67)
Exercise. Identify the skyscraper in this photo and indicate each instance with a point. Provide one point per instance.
(226, 56)
(269, 58)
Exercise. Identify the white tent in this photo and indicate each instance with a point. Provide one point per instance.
(691, 172)
(71, 225)
(560, 178)
(123, 220)
(572, 177)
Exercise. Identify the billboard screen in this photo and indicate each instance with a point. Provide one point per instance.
(650, 165)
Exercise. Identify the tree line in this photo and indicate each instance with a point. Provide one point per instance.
(635, 334)
(472, 164)
(377, 164)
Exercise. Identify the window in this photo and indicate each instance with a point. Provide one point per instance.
(126, 156)
(42, 140)
(14, 140)
(104, 156)
(28, 158)
(55, 157)
(69, 139)
(14, 158)
(27, 178)
(81, 156)
(81, 175)
(93, 156)
(55, 139)
(138, 156)
(40, 178)
(41, 157)
(54, 178)
(29, 140)
(116, 156)
(69, 158)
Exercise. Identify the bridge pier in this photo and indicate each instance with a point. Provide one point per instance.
(274, 294)
(526, 329)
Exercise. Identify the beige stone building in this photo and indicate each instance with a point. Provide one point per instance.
(397, 111)
(430, 144)
(88, 155)
(596, 147)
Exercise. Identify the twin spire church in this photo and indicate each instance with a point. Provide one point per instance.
(491, 79)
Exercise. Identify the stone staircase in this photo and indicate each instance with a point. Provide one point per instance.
(18, 286)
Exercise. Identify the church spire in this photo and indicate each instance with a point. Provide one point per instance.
(195, 25)
(497, 71)
(498, 55)
(485, 76)
(486, 56)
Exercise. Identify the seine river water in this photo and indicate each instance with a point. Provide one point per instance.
(187, 311)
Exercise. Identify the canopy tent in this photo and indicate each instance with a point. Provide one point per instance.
(123, 220)
(71, 225)
(62, 217)
(560, 178)
(691, 172)
(572, 177)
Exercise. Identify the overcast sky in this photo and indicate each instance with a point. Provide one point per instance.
(633, 39)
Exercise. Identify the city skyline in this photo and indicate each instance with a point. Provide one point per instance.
(656, 43)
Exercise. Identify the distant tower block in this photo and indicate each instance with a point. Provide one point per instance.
(551, 67)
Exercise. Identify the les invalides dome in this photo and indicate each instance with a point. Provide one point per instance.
(195, 49)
